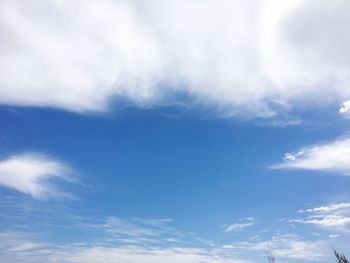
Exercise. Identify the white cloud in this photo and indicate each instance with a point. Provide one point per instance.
(20, 248)
(138, 254)
(27, 246)
(327, 208)
(246, 57)
(331, 217)
(325, 220)
(139, 230)
(332, 157)
(31, 174)
(293, 247)
(286, 246)
(242, 224)
(158, 244)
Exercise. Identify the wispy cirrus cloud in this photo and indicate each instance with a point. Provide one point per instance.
(32, 174)
(240, 225)
(326, 221)
(21, 248)
(327, 208)
(331, 157)
(138, 230)
(331, 217)
(116, 240)
(78, 253)
(79, 55)
(139, 254)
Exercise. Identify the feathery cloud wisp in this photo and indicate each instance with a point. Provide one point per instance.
(31, 174)
(332, 217)
(242, 224)
(149, 242)
(328, 208)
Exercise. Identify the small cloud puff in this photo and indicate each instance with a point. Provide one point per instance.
(31, 173)
(331, 157)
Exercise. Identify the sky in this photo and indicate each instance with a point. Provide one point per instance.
(174, 131)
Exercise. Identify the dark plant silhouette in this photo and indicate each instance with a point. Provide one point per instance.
(340, 257)
(270, 256)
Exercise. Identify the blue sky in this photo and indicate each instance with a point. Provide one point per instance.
(129, 135)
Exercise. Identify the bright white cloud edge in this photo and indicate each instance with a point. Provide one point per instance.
(327, 208)
(331, 157)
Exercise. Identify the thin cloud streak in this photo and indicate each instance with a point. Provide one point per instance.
(240, 225)
(328, 208)
(333, 217)
(144, 240)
